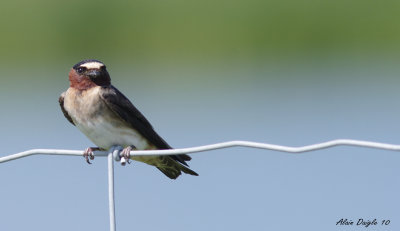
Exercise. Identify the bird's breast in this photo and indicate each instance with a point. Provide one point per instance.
(105, 128)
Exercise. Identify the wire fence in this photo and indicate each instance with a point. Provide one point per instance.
(114, 155)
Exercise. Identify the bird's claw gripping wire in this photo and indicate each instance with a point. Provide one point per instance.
(88, 154)
(126, 155)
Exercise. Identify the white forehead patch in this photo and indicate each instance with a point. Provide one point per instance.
(92, 65)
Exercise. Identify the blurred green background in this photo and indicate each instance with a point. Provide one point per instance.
(202, 32)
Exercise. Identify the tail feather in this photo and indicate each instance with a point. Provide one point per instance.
(172, 169)
(188, 171)
(181, 158)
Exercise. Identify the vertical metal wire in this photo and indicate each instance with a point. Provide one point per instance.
(111, 203)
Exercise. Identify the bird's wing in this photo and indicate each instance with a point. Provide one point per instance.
(121, 105)
(61, 101)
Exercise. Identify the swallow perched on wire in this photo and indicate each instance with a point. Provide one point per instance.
(108, 118)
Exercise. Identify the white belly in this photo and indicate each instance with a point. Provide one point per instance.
(105, 134)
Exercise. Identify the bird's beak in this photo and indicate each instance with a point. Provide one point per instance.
(93, 73)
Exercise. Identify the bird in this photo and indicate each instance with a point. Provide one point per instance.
(108, 118)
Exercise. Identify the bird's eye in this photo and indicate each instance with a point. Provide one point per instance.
(80, 70)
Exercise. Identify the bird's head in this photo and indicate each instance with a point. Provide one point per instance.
(89, 73)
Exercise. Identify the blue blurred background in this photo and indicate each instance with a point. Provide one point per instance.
(283, 72)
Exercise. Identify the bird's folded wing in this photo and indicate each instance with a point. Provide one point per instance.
(121, 105)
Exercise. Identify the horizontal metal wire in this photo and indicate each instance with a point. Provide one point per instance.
(114, 153)
(274, 147)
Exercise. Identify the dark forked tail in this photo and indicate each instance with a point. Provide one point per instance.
(173, 166)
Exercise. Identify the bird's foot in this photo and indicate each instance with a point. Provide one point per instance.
(126, 155)
(88, 153)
